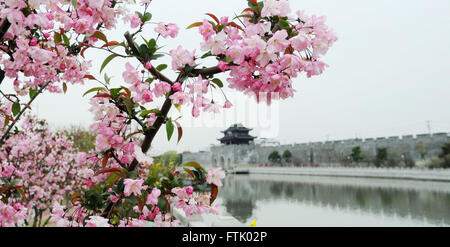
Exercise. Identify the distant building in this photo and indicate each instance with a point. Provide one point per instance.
(232, 150)
(237, 134)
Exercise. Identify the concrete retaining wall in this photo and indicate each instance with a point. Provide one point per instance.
(393, 173)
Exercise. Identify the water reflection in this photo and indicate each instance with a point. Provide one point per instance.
(410, 202)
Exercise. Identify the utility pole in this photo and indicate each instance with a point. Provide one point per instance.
(429, 126)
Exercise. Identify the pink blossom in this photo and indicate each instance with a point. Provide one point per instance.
(179, 98)
(33, 41)
(152, 198)
(133, 186)
(143, 159)
(135, 21)
(223, 66)
(227, 104)
(214, 176)
(130, 75)
(278, 8)
(206, 30)
(167, 30)
(278, 42)
(161, 89)
(181, 58)
(176, 86)
(236, 53)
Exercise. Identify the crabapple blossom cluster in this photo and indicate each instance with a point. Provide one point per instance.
(116, 183)
(190, 203)
(12, 215)
(40, 166)
(273, 48)
(41, 42)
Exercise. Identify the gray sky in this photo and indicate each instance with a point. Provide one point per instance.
(388, 74)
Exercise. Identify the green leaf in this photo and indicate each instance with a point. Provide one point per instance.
(107, 79)
(195, 165)
(75, 3)
(115, 92)
(169, 129)
(95, 89)
(217, 82)
(113, 178)
(156, 56)
(32, 93)
(147, 112)
(57, 38)
(100, 35)
(143, 50)
(284, 24)
(152, 44)
(161, 67)
(208, 54)
(16, 108)
(129, 104)
(107, 60)
(146, 17)
(66, 40)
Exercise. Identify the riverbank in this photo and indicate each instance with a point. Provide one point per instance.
(440, 175)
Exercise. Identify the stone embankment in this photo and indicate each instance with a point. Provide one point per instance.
(391, 173)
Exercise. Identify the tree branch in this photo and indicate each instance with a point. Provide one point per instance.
(4, 28)
(207, 71)
(5, 135)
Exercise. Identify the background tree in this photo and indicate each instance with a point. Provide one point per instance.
(275, 157)
(445, 155)
(381, 156)
(287, 156)
(422, 149)
(356, 154)
(169, 157)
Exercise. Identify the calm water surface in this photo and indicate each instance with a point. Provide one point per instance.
(283, 200)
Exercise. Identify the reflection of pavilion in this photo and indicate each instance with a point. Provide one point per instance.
(241, 194)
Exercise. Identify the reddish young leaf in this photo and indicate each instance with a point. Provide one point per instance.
(248, 9)
(254, 2)
(111, 43)
(289, 50)
(102, 95)
(214, 192)
(105, 160)
(82, 51)
(75, 197)
(22, 193)
(132, 134)
(189, 172)
(180, 130)
(140, 203)
(233, 24)
(167, 203)
(214, 17)
(127, 90)
(90, 77)
(109, 170)
(195, 24)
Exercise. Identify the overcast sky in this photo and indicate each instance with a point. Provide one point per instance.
(388, 75)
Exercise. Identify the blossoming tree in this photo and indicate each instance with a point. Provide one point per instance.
(42, 46)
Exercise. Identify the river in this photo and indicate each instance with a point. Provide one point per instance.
(295, 200)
